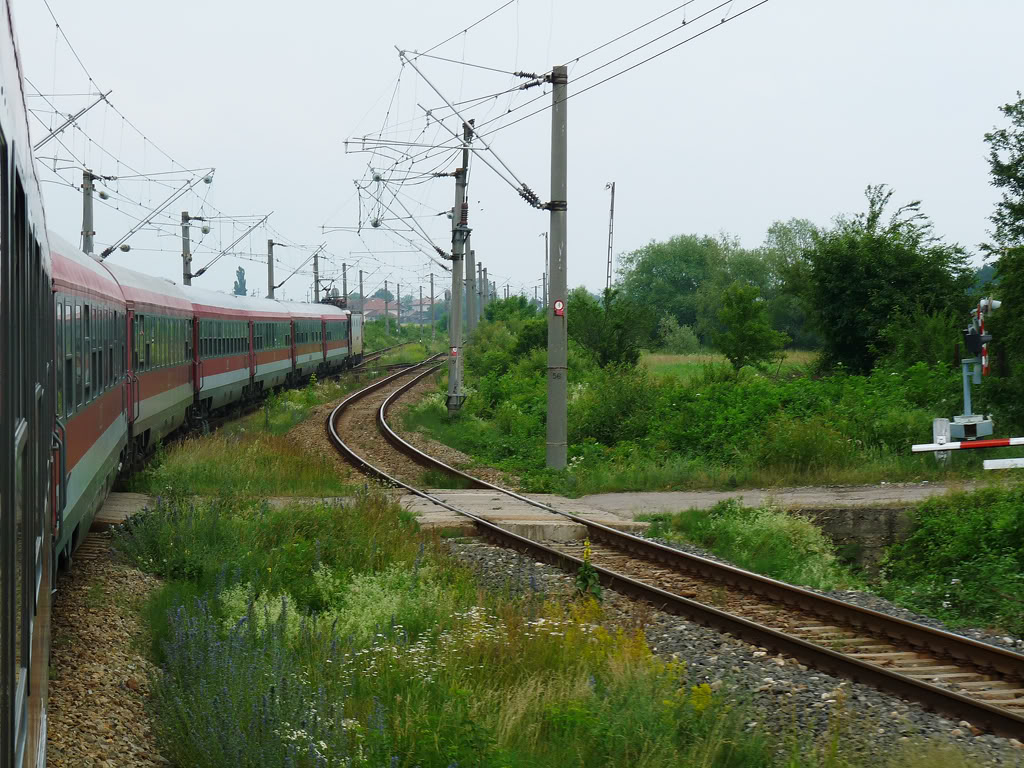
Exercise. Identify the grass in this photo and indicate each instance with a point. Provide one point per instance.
(766, 540)
(325, 636)
(694, 365)
(246, 465)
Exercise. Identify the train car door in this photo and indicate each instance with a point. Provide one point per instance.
(197, 360)
(252, 352)
(291, 342)
(131, 379)
(323, 338)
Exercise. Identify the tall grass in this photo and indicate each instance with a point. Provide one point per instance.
(244, 465)
(340, 636)
(763, 539)
(694, 364)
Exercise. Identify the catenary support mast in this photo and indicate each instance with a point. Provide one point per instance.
(557, 447)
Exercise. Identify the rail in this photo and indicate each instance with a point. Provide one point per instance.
(986, 658)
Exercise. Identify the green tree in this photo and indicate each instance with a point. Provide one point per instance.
(239, 288)
(383, 293)
(667, 275)
(612, 329)
(746, 336)
(1006, 164)
(867, 271)
(785, 252)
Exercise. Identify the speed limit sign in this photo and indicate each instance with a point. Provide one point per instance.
(559, 307)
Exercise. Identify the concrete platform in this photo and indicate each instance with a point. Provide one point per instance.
(119, 507)
(514, 515)
(517, 516)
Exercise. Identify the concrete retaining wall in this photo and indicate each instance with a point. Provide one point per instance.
(861, 534)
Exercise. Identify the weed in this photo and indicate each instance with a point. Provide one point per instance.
(765, 540)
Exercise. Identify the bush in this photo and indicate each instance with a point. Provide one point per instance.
(921, 337)
(766, 540)
(677, 339)
(964, 560)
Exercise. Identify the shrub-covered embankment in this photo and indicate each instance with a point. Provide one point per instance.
(631, 430)
(338, 636)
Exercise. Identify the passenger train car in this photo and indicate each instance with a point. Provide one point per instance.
(98, 363)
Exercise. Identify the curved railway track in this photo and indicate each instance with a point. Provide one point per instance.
(947, 673)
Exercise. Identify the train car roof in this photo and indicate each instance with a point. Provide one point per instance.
(207, 301)
(326, 311)
(146, 289)
(74, 269)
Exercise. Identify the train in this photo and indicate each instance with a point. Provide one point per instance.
(98, 364)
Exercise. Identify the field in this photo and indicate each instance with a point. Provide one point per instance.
(690, 366)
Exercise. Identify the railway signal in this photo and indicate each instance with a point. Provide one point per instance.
(963, 431)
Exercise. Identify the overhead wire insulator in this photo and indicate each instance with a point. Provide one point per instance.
(529, 196)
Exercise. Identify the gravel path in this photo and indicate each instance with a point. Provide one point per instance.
(450, 456)
(99, 679)
(782, 694)
(357, 426)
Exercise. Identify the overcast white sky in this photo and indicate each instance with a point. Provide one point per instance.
(789, 110)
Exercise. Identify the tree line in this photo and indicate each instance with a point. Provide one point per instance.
(876, 288)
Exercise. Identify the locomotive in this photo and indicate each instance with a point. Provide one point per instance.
(98, 363)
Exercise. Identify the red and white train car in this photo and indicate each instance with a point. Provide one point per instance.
(91, 391)
(159, 369)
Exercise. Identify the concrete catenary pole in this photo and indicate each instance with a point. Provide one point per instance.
(460, 233)
(545, 234)
(557, 446)
(470, 288)
(419, 308)
(387, 310)
(433, 323)
(186, 251)
(344, 281)
(398, 308)
(270, 269)
(316, 275)
(362, 296)
(486, 288)
(88, 231)
(479, 293)
(611, 231)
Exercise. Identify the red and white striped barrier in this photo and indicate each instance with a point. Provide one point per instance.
(999, 442)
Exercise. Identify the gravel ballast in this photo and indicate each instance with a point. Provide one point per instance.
(781, 694)
(876, 603)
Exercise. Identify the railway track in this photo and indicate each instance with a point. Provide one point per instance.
(953, 675)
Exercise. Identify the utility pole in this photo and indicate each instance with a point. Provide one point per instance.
(611, 230)
(316, 275)
(433, 325)
(387, 310)
(270, 269)
(186, 251)
(479, 293)
(420, 308)
(362, 296)
(398, 306)
(535, 294)
(87, 226)
(546, 272)
(460, 233)
(470, 288)
(557, 445)
(486, 289)
(544, 291)
(344, 281)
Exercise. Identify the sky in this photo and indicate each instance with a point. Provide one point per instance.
(788, 110)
